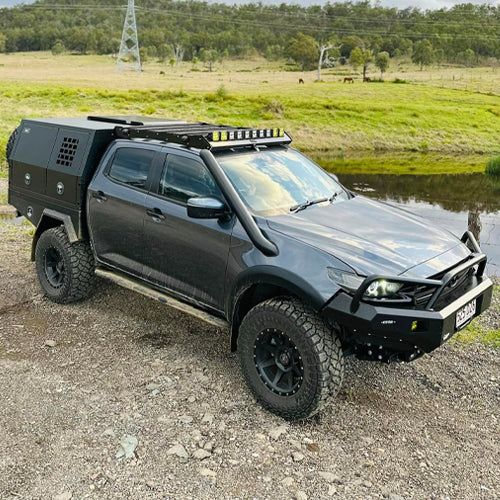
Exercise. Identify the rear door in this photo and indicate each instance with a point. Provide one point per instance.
(188, 256)
(116, 206)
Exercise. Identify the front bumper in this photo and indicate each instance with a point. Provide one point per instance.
(392, 329)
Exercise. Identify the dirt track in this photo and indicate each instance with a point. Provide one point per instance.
(76, 379)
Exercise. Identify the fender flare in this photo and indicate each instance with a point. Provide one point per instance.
(274, 277)
(47, 220)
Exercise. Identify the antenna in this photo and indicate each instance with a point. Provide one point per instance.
(128, 57)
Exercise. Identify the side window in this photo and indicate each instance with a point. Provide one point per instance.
(131, 166)
(183, 178)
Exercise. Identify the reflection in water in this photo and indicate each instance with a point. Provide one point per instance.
(455, 193)
(474, 224)
(456, 202)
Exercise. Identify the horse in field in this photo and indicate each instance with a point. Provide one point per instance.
(348, 79)
(367, 79)
(301, 81)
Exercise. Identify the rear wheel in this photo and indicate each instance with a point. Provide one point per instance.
(290, 358)
(65, 270)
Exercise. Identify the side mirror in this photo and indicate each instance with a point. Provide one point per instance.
(334, 177)
(206, 208)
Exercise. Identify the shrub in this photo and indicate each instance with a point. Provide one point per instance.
(221, 92)
(399, 80)
(274, 107)
(58, 48)
(493, 166)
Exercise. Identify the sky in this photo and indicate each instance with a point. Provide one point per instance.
(422, 4)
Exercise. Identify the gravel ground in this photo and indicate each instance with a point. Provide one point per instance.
(79, 380)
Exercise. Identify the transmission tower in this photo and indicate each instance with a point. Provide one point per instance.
(128, 57)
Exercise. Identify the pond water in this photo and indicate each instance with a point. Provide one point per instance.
(455, 202)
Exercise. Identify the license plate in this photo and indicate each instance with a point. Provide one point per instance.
(465, 314)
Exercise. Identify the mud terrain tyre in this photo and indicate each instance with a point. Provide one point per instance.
(291, 359)
(65, 270)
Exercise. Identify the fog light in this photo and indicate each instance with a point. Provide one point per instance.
(414, 325)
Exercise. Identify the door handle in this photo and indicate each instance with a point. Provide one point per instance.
(156, 214)
(99, 196)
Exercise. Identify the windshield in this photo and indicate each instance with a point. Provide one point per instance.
(275, 181)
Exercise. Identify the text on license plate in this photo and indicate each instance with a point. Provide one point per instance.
(466, 313)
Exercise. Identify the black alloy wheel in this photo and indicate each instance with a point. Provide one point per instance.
(54, 267)
(278, 362)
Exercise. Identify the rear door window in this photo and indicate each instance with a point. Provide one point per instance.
(131, 166)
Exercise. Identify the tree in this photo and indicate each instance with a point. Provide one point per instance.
(303, 49)
(323, 54)
(143, 54)
(58, 48)
(3, 39)
(349, 43)
(382, 62)
(423, 53)
(178, 50)
(152, 51)
(361, 57)
(468, 57)
(209, 57)
(164, 51)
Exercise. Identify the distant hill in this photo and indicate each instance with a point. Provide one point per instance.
(465, 33)
(11, 3)
(422, 4)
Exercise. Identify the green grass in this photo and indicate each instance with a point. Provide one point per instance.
(493, 166)
(358, 120)
(477, 332)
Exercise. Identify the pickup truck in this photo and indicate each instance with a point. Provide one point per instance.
(236, 227)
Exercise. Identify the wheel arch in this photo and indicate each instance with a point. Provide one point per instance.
(263, 285)
(49, 219)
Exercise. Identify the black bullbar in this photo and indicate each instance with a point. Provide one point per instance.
(438, 286)
(401, 326)
(405, 330)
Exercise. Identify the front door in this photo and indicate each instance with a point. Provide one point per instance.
(188, 256)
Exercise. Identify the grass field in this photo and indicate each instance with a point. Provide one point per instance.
(355, 127)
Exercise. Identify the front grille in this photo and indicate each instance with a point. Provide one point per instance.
(421, 294)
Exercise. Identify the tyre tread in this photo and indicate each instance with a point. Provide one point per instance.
(330, 364)
(82, 266)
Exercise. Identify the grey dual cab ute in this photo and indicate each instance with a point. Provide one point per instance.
(236, 227)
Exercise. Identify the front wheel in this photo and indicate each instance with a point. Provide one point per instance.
(290, 358)
(65, 270)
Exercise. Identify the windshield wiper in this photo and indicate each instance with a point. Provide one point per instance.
(308, 203)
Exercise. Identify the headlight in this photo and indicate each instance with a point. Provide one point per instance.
(348, 281)
(382, 288)
(351, 282)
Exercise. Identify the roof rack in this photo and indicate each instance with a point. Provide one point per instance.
(204, 135)
(133, 120)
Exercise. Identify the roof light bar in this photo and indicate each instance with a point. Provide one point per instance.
(239, 135)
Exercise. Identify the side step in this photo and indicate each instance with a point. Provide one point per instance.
(143, 289)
